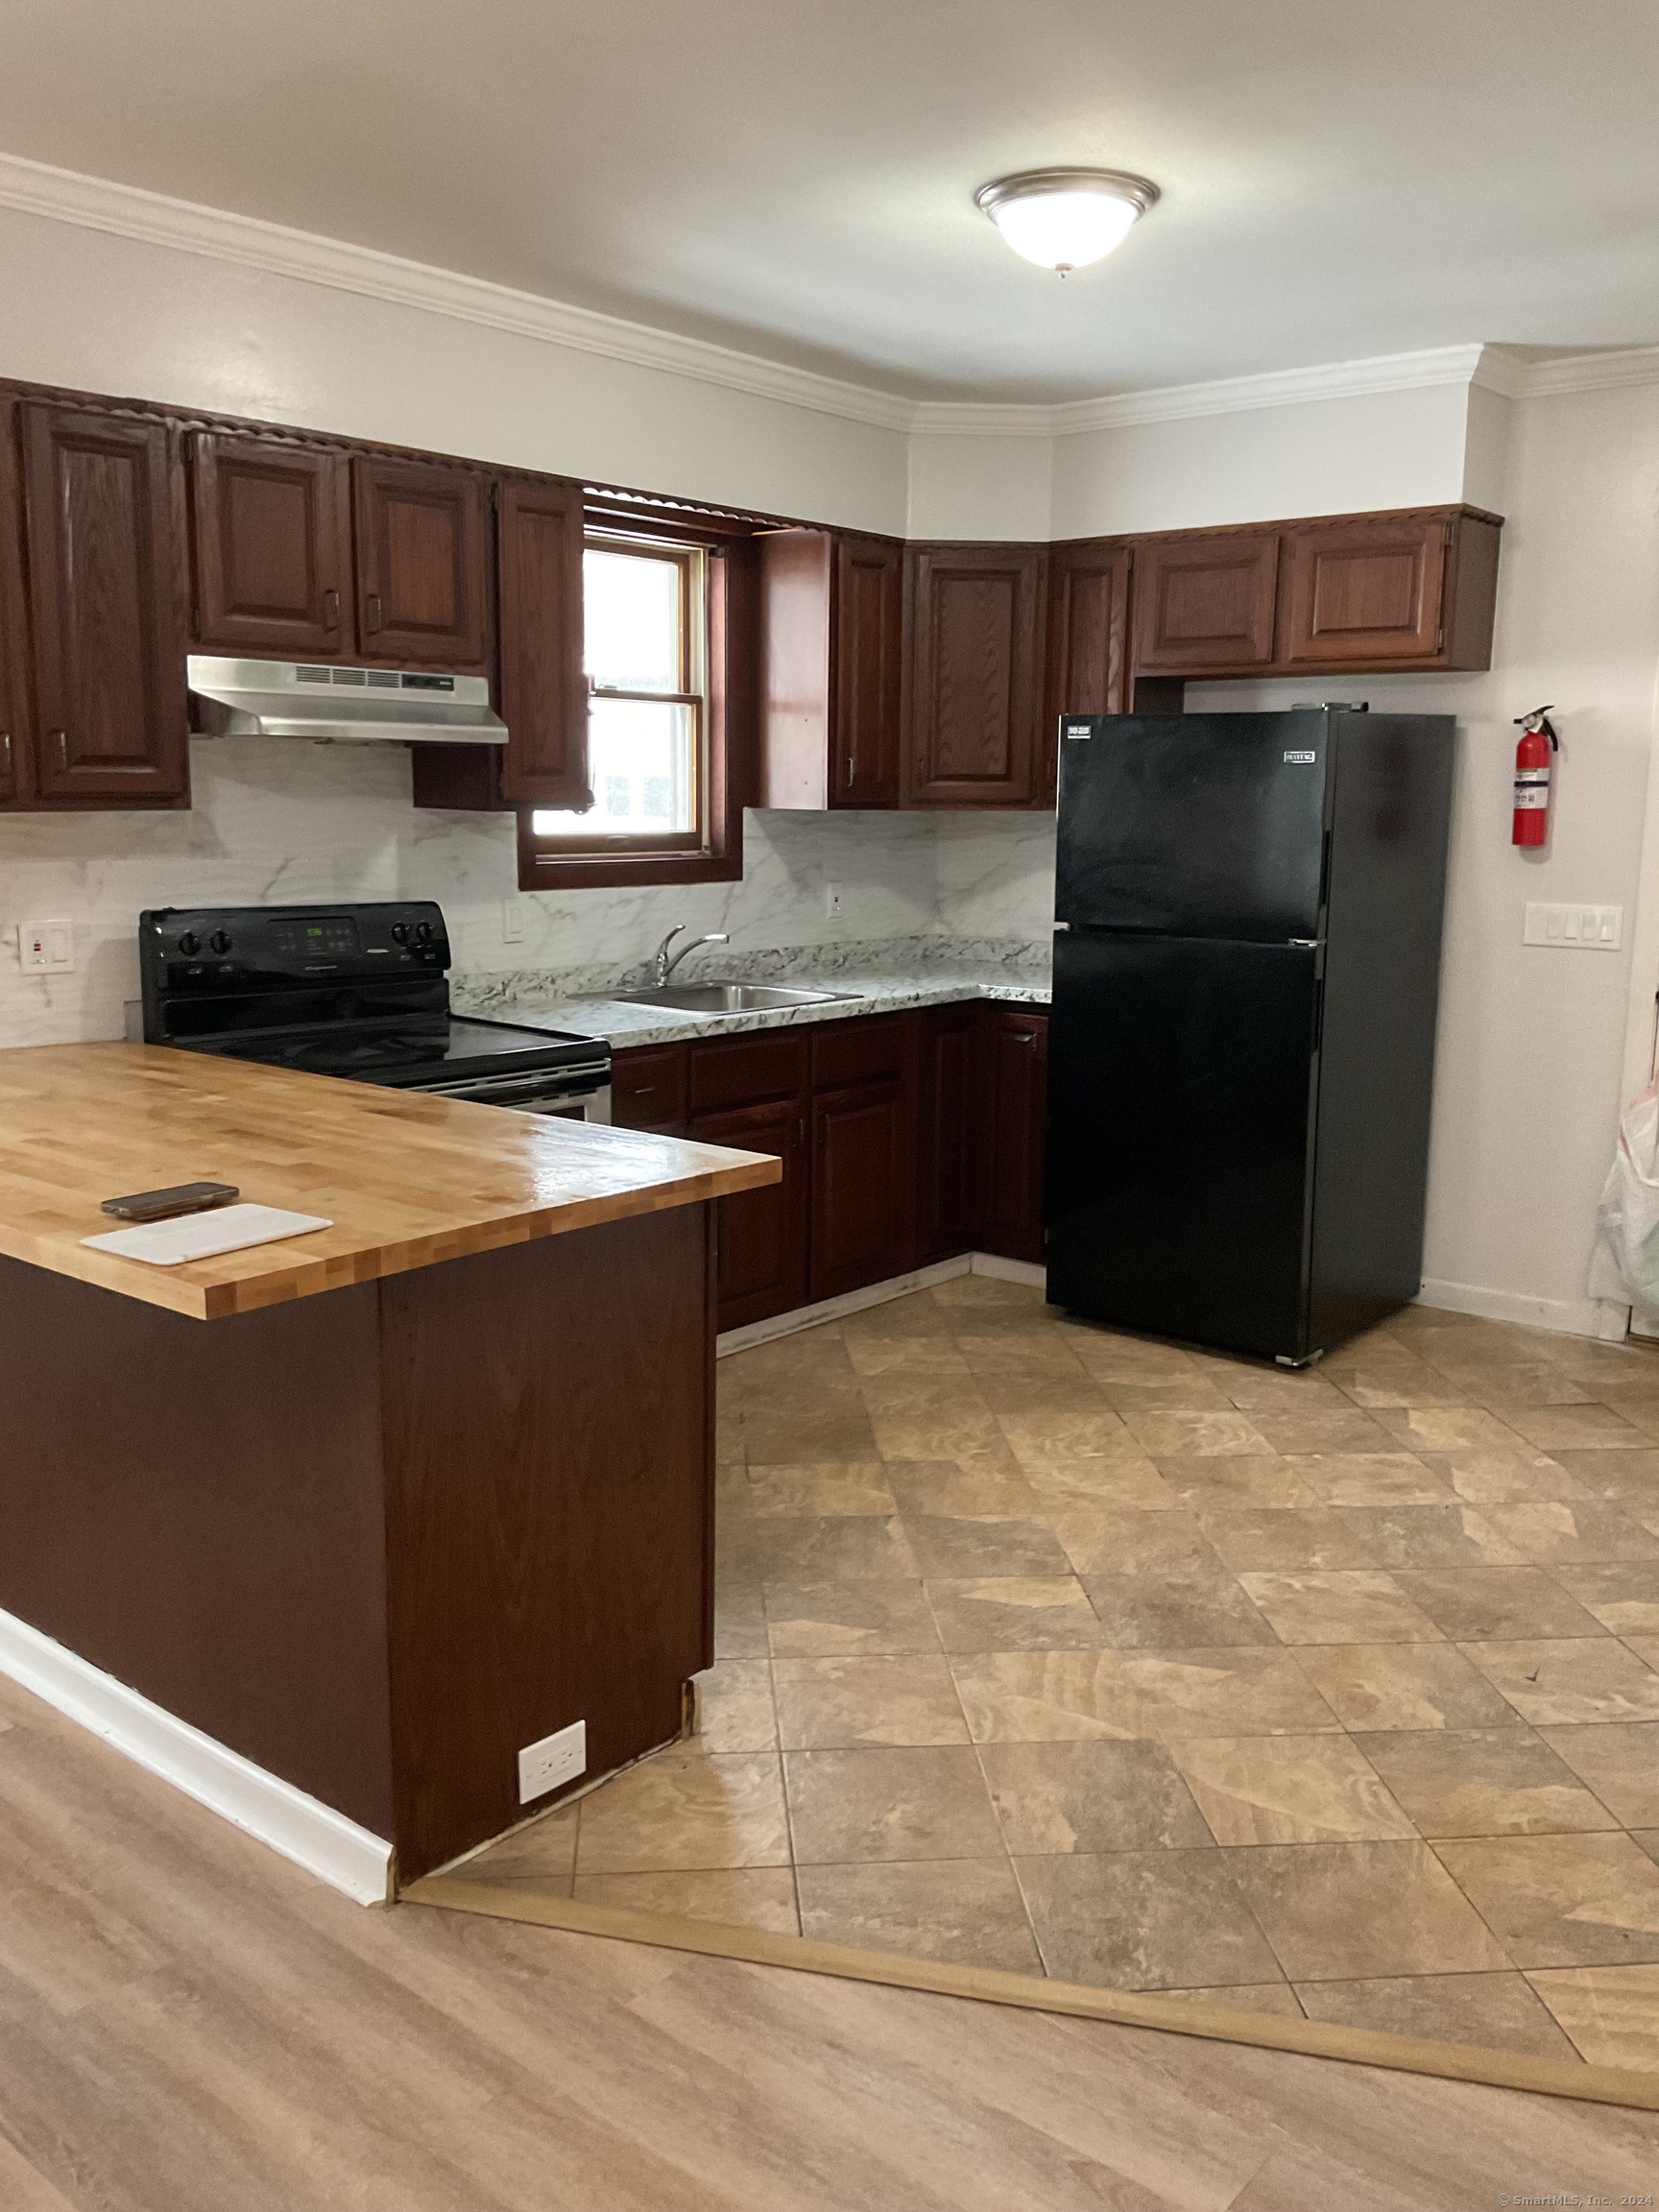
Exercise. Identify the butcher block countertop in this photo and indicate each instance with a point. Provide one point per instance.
(406, 1181)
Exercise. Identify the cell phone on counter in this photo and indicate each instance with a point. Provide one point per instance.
(163, 1205)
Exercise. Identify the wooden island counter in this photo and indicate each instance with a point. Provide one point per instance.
(373, 1507)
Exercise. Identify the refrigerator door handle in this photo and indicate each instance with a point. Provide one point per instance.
(1061, 926)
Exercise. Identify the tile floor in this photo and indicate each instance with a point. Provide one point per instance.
(1054, 1649)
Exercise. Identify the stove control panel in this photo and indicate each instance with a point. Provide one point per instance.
(226, 955)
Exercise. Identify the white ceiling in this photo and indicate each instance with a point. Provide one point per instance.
(795, 178)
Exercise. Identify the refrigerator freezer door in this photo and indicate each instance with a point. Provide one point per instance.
(1192, 824)
(1180, 1096)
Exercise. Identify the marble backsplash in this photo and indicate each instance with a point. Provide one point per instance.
(276, 822)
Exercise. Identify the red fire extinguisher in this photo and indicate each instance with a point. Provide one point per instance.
(1532, 764)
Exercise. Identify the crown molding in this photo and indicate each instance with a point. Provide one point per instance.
(125, 211)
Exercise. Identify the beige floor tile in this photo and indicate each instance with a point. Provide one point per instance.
(947, 1426)
(1096, 1796)
(734, 1707)
(1365, 1911)
(1100, 1539)
(683, 1809)
(1310, 1537)
(966, 1910)
(1495, 1604)
(1011, 1394)
(1145, 1919)
(1568, 1535)
(827, 1548)
(1619, 1761)
(1238, 1484)
(824, 1619)
(877, 1803)
(1369, 1478)
(1165, 1611)
(1052, 1697)
(1570, 1428)
(1624, 1595)
(1288, 1790)
(1132, 1485)
(957, 1546)
(1516, 1382)
(995, 1613)
(1627, 1478)
(839, 1432)
(1484, 1781)
(1374, 1685)
(1034, 1436)
(998, 1490)
(1257, 1390)
(540, 1855)
(1197, 1435)
(757, 1897)
(1307, 1606)
(907, 1698)
(1191, 1393)
(1343, 1432)
(1490, 2011)
(1506, 1478)
(818, 1354)
(1569, 1680)
(1400, 1536)
(770, 1492)
(1129, 1358)
(1023, 1356)
(1274, 1997)
(1610, 2013)
(1448, 1428)
(917, 1358)
(919, 1314)
(1648, 1839)
(739, 1619)
(1396, 1382)
(1563, 1900)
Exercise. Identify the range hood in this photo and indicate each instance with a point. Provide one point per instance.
(334, 704)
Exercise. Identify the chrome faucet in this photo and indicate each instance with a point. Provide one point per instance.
(666, 966)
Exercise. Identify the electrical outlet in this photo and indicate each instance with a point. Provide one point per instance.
(1574, 928)
(545, 1764)
(511, 922)
(833, 902)
(46, 948)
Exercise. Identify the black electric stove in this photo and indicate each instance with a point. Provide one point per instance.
(351, 990)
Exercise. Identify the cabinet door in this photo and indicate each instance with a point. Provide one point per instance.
(1014, 1105)
(974, 616)
(420, 562)
(272, 536)
(648, 1090)
(868, 643)
(861, 1187)
(1088, 640)
(1365, 591)
(944, 1143)
(1205, 602)
(106, 592)
(543, 691)
(762, 1234)
(14, 620)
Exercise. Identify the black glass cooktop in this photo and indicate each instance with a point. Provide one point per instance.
(446, 1050)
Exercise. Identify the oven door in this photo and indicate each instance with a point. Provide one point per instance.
(563, 1093)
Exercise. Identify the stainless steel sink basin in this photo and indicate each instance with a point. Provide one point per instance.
(729, 998)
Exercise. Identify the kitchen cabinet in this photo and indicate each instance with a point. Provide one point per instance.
(422, 562)
(1088, 640)
(1205, 601)
(1375, 592)
(13, 623)
(1011, 1113)
(973, 630)
(833, 642)
(945, 1195)
(538, 536)
(648, 1090)
(271, 527)
(751, 1092)
(103, 505)
(863, 1149)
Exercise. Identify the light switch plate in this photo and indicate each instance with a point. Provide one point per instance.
(511, 922)
(1574, 928)
(46, 948)
(552, 1759)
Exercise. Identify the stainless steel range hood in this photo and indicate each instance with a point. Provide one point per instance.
(339, 706)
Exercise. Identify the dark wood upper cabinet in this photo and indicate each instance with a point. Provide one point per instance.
(422, 562)
(538, 529)
(1205, 602)
(1012, 1107)
(15, 752)
(973, 622)
(1088, 640)
(832, 631)
(272, 528)
(1374, 591)
(103, 499)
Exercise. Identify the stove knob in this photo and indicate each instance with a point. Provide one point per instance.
(219, 941)
(189, 944)
(399, 933)
(423, 932)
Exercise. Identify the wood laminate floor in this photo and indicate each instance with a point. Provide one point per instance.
(188, 2024)
(1049, 1649)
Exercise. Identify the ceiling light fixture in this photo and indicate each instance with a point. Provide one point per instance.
(1063, 219)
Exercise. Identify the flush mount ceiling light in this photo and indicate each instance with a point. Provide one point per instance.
(1063, 219)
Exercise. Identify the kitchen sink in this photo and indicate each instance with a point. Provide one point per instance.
(729, 998)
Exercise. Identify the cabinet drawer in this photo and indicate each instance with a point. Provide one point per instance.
(648, 1088)
(742, 1070)
(856, 1051)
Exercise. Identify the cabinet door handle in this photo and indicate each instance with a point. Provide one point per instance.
(643, 1089)
(331, 610)
(373, 610)
(5, 752)
(60, 738)
(1026, 1037)
(851, 771)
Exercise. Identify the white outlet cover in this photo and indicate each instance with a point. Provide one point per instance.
(1573, 928)
(46, 948)
(551, 1761)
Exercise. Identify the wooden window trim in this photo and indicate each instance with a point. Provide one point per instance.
(731, 573)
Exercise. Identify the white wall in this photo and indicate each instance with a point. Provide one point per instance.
(980, 487)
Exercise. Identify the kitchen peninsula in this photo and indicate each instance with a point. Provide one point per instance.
(377, 1507)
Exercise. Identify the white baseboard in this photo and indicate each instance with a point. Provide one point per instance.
(1572, 1316)
(834, 1309)
(313, 1834)
(1008, 1270)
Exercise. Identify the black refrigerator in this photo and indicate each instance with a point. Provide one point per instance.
(1241, 1049)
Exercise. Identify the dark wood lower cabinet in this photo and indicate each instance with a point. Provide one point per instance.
(905, 1139)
